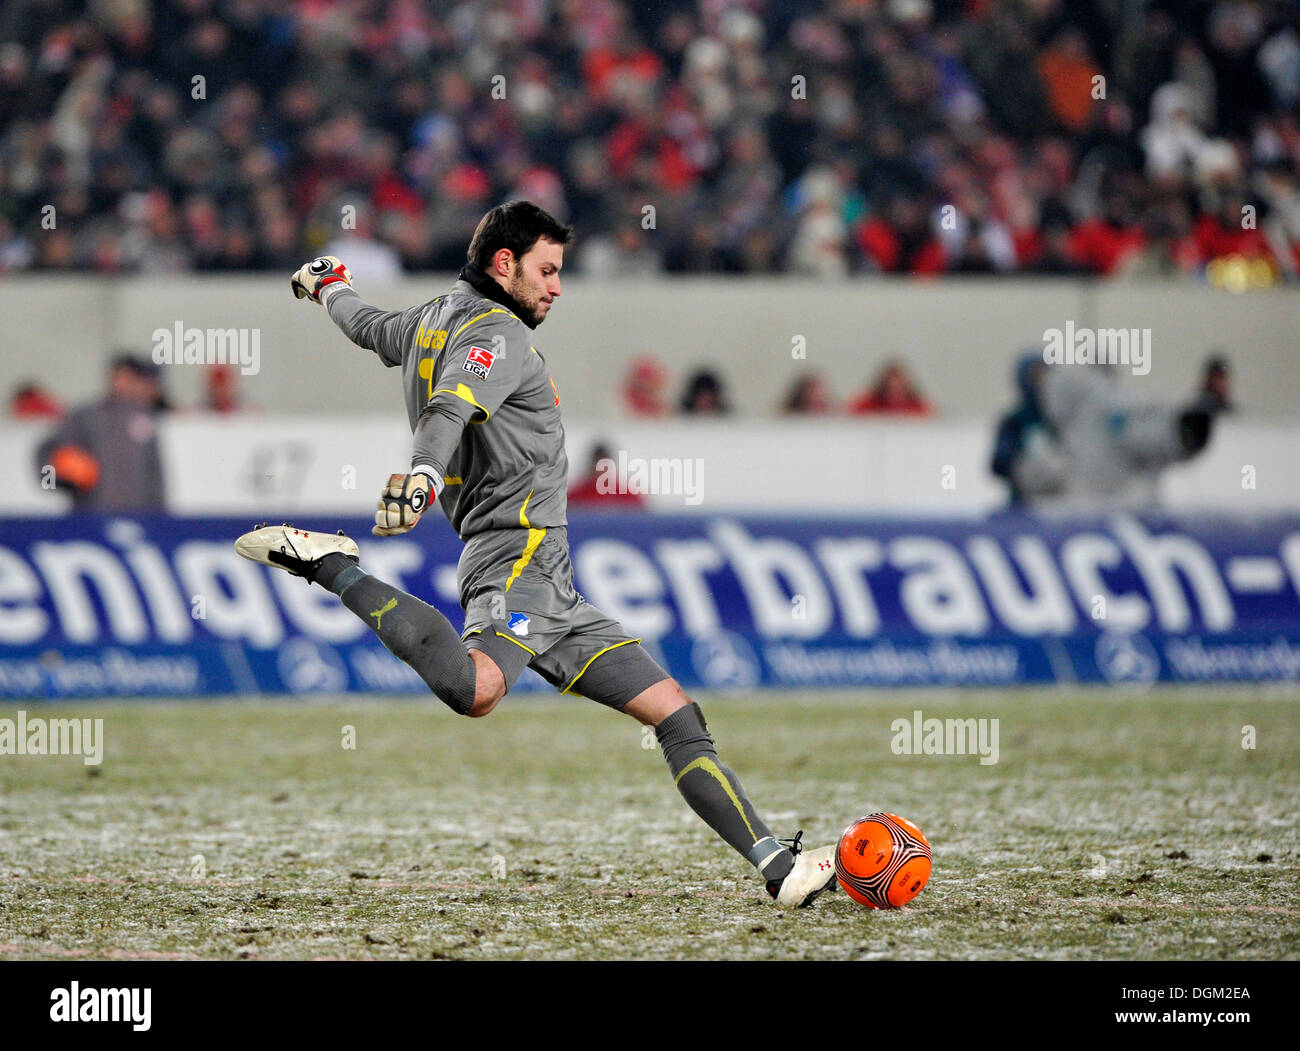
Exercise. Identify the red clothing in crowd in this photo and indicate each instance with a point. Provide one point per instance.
(871, 402)
(586, 494)
(32, 403)
(881, 243)
(1104, 248)
(1214, 240)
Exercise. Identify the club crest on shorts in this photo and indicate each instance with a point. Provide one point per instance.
(518, 624)
(479, 362)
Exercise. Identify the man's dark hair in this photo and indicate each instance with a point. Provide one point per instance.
(137, 363)
(518, 226)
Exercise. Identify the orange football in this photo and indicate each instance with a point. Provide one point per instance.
(883, 861)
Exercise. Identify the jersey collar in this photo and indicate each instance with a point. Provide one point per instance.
(478, 280)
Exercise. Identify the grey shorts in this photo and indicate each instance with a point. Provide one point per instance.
(521, 609)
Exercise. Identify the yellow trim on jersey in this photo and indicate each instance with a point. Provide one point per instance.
(494, 310)
(711, 768)
(511, 638)
(534, 539)
(464, 394)
(452, 479)
(580, 674)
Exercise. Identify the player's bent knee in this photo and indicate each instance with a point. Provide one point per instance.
(480, 709)
(484, 701)
(654, 704)
(489, 685)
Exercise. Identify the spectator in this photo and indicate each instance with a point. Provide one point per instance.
(1025, 454)
(1173, 142)
(1068, 75)
(371, 261)
(16, 252)
(901, 241)
(1106, 243)
(1168, 250)
(808, 396)
(106, 454)
(644, 389)
(1057, 258)
(893, 393)
(1277, 189)
(30, 401)
(603, 485)
(819, 247)
(221, 389)
(703, 395)
(627, 253)
(1215, 395)
(1219, 232)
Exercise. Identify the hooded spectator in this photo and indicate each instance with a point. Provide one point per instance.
(808, 396)
(1024, 448)
(703, 395)
(1215, 395)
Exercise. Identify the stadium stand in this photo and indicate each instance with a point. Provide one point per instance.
(943, 136)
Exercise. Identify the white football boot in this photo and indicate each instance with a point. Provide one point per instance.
(295, 550)
(813, 874)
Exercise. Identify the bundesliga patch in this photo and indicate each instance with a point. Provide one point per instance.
(518, 624)
(479, 362)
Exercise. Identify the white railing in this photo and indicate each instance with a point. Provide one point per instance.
(327, 464)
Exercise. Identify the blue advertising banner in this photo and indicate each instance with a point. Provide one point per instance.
(163, 606)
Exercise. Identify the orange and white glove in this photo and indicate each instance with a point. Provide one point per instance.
(323, 271)
(404, 499)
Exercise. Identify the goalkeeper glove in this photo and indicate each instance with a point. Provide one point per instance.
(404, 499)
(322, 271)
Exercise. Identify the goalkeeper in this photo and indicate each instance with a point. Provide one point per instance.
(489, 446)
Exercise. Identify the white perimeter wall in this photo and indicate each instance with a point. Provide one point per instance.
(960, 337)
(330, 416)
(285, 464)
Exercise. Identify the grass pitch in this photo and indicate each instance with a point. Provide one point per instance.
(1113, 827)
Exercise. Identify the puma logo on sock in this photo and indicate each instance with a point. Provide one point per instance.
(379, 613)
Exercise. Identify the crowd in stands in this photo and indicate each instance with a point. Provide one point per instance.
(1151, 139)
(32, 400)
(893, 392)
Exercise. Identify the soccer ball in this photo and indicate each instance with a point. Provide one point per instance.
(882, 861)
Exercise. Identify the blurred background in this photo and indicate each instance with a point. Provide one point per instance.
(826, 253)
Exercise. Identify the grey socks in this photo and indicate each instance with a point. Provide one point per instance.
(419, 635)
(716, 794)
(413, 631)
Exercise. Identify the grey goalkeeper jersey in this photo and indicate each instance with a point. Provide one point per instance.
(481, 402)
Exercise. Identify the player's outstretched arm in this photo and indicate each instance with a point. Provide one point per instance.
(328, 281)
